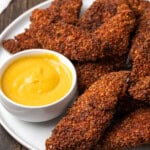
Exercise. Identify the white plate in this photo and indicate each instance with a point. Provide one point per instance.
(31, 135)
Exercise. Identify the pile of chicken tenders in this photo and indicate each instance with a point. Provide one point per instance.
(109, 44)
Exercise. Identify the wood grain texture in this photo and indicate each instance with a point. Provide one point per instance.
(16, 8)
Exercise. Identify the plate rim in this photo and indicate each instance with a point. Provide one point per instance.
(12, 134)
(27, 12)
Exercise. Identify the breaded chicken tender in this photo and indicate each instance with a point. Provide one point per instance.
(111, 39)
(133, 131)
(86, 120)
(65, 10)
(69, 40)
(98, 13)
(115, 34)
(141, 89)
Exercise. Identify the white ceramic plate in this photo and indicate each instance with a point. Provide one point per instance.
(31, 135)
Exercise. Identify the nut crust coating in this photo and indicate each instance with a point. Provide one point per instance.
(86, 121)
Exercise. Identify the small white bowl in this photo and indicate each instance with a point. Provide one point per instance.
(39, 113)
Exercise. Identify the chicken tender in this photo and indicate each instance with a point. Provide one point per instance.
(98, 13)
(133, 131)
(141, 90)
(115, 34)
(87, 119)
(65, 10)
(111, 39)
(69, 40)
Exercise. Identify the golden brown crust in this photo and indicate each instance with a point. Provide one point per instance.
(89, 72)
(141, 90)
(22, 41)
(115, 34)
(140, 50)
(138, 6)
(133, 131)
(98, 13)
(111, 39)
(85, 122)
(64, 10)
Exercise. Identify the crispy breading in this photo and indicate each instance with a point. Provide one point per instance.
(65, 10)
(22, 41)
(69, 40)
(127, 105)
(141, 89)
(115, 34)
(111, 39)
(89, 72)
(70, 10)
(142, 34)
(98, 13)
(140, 49)
(133, 131)
(138, 6)
(87, 119)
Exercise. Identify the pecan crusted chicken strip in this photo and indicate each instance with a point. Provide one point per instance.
(69, 40)
(99, 12)
(87, 119)
(133, 131)
(115, 34)
(109, 40)
(141, 90)
(65, 10)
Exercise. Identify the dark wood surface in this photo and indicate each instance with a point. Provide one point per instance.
(16, 8)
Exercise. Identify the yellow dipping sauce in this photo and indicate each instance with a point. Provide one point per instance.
(36, 80)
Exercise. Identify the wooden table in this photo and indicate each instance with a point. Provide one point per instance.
(16, 8)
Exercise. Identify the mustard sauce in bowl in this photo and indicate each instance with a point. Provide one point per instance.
(36, 80)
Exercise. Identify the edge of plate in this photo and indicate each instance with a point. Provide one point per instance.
(27, 12)
(10, 132)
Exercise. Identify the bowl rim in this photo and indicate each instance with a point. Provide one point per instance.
(24, 53)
